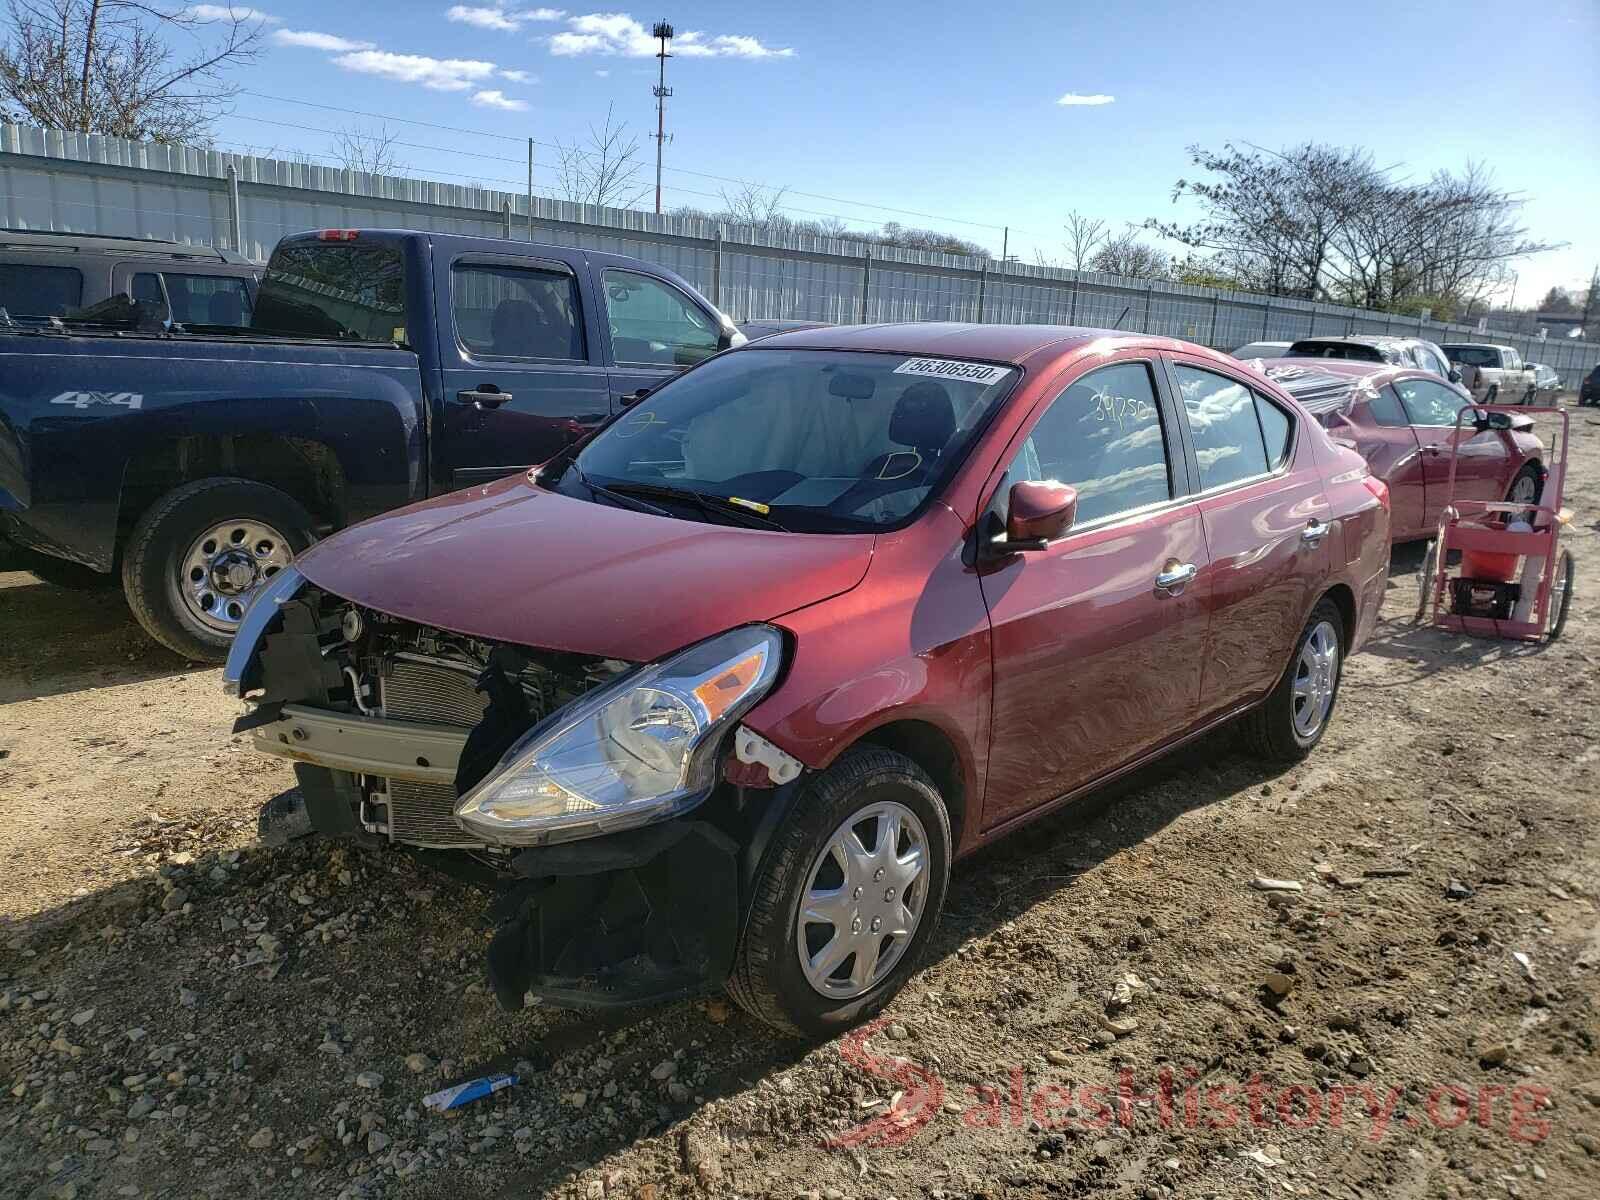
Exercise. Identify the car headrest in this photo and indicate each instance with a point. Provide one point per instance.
(224, 309)
(514, 325)
(923, 417)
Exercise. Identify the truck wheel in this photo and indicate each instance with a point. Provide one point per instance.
(1292, 719)
(197, 557)
(847, 898)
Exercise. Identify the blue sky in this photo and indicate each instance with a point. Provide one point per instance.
(954, 110)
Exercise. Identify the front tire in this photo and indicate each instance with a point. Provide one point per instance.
(1288, 724)
(848, 896)
(197, 557)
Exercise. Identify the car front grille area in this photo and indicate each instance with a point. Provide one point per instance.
(412, 673)
(423, 814)
(414, 688)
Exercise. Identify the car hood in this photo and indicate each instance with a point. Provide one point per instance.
(514, 562)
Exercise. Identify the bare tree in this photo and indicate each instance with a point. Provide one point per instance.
(1127, 256)
(1325, 223)
(754, 204)
(603, 168)
(1085, 236)
(368, 149)
(128, 68)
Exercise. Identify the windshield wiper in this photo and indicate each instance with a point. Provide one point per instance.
(707, 502)
(616, 497)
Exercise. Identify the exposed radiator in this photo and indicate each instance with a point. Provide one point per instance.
(412, 688)
(422, 814)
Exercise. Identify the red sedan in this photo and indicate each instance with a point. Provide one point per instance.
(1403, 421)
(716, 698)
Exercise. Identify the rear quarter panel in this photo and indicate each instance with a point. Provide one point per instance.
(75, 411)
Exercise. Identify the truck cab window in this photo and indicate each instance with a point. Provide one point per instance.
(516, 312)
(334, 290)
(654, 324)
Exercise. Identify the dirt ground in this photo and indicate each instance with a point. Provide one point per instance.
(184, 1013)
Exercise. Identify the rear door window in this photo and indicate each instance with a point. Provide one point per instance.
(1277, 431)
(517, 312)
(654, 324)
(334, 290)
(29, 290)
(208, 299)
(1224, 426)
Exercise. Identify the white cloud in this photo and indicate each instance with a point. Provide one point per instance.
(317, 41)
(618, 33)
(495, 98)
(1074, 99)
(437, 74)
(603, 74)
(223, 12)
(507, 20)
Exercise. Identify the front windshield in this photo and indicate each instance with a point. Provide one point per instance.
(816, 440)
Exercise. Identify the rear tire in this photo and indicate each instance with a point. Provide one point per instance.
(769, 978)
(1278, 729)
(158, 568)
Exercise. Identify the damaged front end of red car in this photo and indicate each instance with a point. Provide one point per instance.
(602, 800)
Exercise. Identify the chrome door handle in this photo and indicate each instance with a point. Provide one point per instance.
(483, 397)
(1314, 532)
(1171, 581)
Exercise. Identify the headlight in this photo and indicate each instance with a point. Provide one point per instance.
(639, 750)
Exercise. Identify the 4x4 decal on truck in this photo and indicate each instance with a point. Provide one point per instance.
(85, 399)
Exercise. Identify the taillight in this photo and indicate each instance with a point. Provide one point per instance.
(1378, 488)
(338, 235)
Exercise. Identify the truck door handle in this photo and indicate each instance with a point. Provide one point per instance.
(633, 398)
(1174, 577)
(484, 396)
(1314, 532)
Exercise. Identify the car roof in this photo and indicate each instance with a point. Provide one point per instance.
(60, 241)
(1359, 339)
(1020, 345)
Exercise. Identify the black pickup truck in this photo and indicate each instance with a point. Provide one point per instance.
(380, 367)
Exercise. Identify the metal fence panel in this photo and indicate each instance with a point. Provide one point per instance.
(57, 180)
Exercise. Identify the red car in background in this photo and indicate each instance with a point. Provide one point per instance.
(717, 697)
(1403, 422)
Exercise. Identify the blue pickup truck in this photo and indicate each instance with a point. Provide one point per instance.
(380, 367)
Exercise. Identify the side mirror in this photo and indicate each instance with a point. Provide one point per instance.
(1040, 512)
(1454, 376)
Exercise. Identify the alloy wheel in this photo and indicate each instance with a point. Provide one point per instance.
(1316, 677)
(863, 900)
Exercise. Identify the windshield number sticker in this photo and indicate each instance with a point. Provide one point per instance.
(944, 368)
